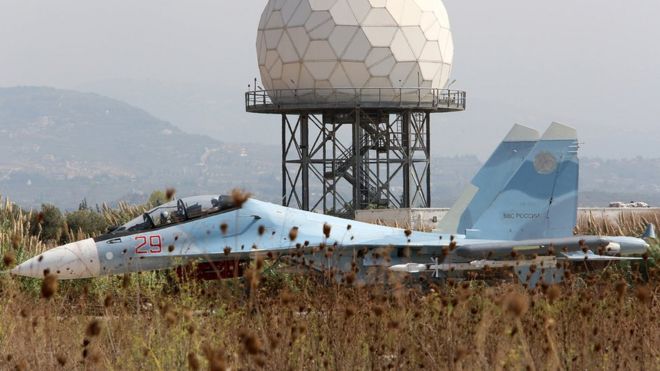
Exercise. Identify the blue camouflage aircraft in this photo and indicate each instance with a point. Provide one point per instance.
(518, 212)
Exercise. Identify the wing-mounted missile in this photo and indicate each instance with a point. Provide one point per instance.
(476, 249)
(410, 268)
(578, 256)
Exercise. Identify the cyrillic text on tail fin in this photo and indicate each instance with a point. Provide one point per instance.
(490, 179)
(540, 199)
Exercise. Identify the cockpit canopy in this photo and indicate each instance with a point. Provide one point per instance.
(178, 211)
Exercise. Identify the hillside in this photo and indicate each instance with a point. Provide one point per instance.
(62, 146)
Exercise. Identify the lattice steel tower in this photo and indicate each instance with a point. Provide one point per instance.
(339, 156)
(355, 85)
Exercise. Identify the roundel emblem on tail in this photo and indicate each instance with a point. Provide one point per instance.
(545, 163)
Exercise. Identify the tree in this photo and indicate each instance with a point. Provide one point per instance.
(48, 223)
(83, 205)
(89, 222)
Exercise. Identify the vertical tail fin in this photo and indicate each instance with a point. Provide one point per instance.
(490, 179)
(540, 199)
(650, 232)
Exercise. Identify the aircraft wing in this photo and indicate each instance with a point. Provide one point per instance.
(571, 248)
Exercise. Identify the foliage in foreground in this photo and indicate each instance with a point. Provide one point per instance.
(278, 320)
(152, 321)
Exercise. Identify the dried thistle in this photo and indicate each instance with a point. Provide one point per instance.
(169, 193)
(16, 240)
(293, 234)
(286, 297)
(252, 277)
(94, 356)
(550, 323)
(107, 302)
(461, 352)
(349, 278)
(49, 286)
(445, 251)
(620, 288)
(643, 294)
(126, 281)
(61, 360)
(170, 318)
(516, 304)
(239, 197)
(215, 358)
(93, 328)
(553, 293)
(274, 340)
(326, 230)
(261, 230)
(251, 343)
(8, 260)
(193, 362)
(21, 365)
(223, 228)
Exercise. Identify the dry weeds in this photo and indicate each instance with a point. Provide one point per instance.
(276, 320)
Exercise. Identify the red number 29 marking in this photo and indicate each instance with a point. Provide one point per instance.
(154, 245)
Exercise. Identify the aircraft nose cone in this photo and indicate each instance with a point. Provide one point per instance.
(75, 260)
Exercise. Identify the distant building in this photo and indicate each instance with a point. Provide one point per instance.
(631, 204)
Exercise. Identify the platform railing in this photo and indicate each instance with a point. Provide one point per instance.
(292, 99)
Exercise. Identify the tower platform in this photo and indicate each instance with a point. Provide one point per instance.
(292, 101)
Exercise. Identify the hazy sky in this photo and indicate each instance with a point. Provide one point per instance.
(589, 63)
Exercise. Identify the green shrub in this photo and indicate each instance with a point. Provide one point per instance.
(48, 223)
(86, 221)
(157, 198)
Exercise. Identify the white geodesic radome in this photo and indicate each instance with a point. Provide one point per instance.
(338, 44)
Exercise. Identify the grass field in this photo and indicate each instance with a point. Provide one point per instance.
(277, 320)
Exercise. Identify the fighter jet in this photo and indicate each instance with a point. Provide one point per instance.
(518, 213)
